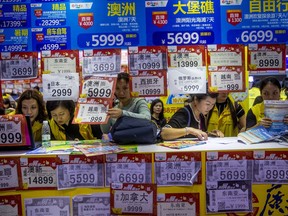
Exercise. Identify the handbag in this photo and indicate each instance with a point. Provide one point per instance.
(130, 130)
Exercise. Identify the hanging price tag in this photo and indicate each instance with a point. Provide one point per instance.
(266, 57)
(18, 66)
(186, 56)
(147, 58)
(101, 61)
(80, 171)
(11, 205)
(10, 170)
(98, 87)
(128, 169)
(92, 111)
(12, 129)
(149, 83)
(38, 173)
(60, 61)
(186, 80)
(62, 86)
(123, 199)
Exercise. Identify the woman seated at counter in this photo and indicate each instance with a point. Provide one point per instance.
(270, 89)
(127, 106)
(31, 103)
(180, 126)
(61, 114)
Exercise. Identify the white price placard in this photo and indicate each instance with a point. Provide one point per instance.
(266, 60)
(147, 61)
(128, 173)
(176, 173)
(187, 80)
(179, 208)
(17, 69)
(61, 86)
(271, 171)
(47, 206)
(227, 81)
(226, 58)
(9, 176)
(11, 132)
(99, 87)
(229, 170)
(89, 204)
(100, 64)
(92, 113)
(187, 59)
(78, 175)
(60, 65)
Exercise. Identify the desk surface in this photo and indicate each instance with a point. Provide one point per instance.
(212, 144)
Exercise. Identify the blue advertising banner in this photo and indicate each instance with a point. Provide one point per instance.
(49, 14)
(182, 22)
(107, 24)
(251, 21)
(15, 40)
(14, 15)
(51, 38)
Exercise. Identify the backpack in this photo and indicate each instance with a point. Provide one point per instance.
(130, 130)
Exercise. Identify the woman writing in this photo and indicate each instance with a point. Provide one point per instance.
(61, 114)
(190, 120)
(31, 103)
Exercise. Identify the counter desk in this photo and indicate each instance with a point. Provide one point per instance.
(219, 177)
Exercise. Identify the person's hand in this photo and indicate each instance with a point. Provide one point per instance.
(115, 112)
(285, 120)
(266, 122)
(201, 135)
(105, 138)
(216, 133)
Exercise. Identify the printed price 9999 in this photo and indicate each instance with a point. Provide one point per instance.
(276, 174)
(99, 92)
(133, 209)
(233, 175)
(11, 138)
(128, 178)
(61, 92)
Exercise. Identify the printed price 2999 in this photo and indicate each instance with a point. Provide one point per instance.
(61, 92)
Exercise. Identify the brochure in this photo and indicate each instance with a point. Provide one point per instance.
(179, 144)
(276, 110)
(257, 134)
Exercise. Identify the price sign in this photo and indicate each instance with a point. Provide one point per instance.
(187, 80)
(12, 129)
(128, 169)
(123, 199)
(186, 56)
(62, 86)
(98, 87)
(48, 206)
(10, 173)
(232, 196)
(229, 170)
(225, 55)
(101, 61)
(10, 205)
(149, 83)
(38, 173)
(226, 79)
(18, 66)
(80, 171)
(178, 203)
(91, 112)
(89, 204)
(147, 58)
(267, 57)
